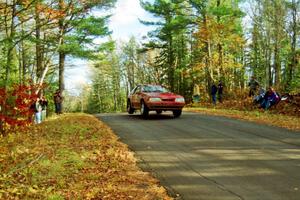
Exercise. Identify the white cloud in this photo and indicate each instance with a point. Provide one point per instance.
(127, 12)
(125, 20)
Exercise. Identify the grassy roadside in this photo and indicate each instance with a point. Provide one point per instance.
(262, 117)
(72, 157)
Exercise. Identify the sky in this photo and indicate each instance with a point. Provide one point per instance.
(125, 20)
(123, 23)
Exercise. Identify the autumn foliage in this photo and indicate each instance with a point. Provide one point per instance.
(15, 106)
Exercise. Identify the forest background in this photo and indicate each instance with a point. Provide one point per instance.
(193, 42)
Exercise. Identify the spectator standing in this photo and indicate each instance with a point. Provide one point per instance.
(213, 91)
(44, 103)
(253, 85)
(220, 92)
(196, 94)
(38, 111)
(58, 101)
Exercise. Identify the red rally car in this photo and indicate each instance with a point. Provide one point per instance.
(150, 97)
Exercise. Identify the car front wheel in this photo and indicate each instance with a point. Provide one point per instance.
(144, 109)
(177, 113)
(130, 109)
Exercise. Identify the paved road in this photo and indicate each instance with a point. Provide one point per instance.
(214, 158)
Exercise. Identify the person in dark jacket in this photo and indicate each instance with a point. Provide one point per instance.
(58, 101)
(44, 103)
(253, 85)
(213, 93)
(220, 92)
(271, 98)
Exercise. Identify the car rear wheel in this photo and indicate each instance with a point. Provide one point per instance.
(177, 113)
(130, 109)
(144, 109)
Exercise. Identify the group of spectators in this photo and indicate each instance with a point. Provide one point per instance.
(264, 98)
(40, 108)
(41, 103)
(216, 93)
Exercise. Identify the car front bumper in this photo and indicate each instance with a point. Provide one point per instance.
(165, 105)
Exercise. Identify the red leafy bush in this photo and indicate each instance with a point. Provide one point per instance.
(15, 106)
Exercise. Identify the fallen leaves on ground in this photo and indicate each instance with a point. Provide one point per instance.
(74, 156)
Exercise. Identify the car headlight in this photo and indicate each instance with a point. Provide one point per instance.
(180, 100)
(155, 99)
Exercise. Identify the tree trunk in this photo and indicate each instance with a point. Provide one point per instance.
(39, 59)
(61, 70)
(277, 65)
(170, 66)
(10, 45)
(62, 54)
(293, 61)
(208, 68)
(278, 35)
(62, 58)
(10, 33)
(220, 49)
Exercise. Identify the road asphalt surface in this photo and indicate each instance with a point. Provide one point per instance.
(213, 158)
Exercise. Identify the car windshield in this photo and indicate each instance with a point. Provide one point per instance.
(154, 88)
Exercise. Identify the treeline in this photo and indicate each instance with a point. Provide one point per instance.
(36, 37)
(198, 42)
(193, 42)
